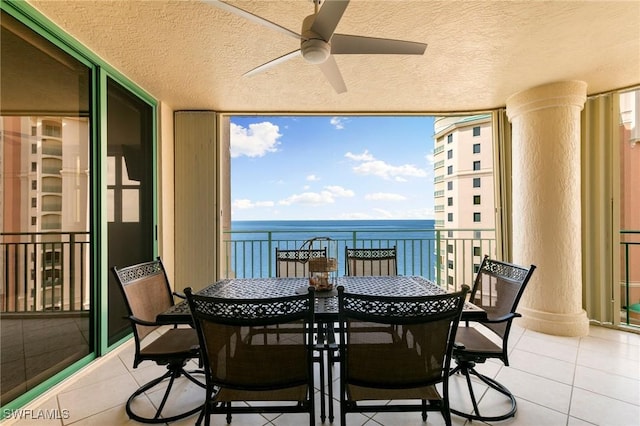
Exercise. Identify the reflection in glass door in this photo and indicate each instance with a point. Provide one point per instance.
(45, 285)
(129, 192)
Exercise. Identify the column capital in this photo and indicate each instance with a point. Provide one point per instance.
(572, 93)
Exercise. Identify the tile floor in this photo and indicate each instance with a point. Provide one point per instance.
(593, 380)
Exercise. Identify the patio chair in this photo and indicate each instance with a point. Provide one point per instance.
(147, 293)
(295, 263)
(395, 350)
(272, 375)
(371, 261)
(497, 289)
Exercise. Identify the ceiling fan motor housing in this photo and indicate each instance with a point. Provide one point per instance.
(314, 49)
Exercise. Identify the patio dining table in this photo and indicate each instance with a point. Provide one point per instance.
(326, 309)
(326, 305)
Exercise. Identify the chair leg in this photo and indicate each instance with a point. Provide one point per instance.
(173, 372)
(467, 371)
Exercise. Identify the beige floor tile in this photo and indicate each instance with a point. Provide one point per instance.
(604, 362)
(603, 411)
(539, 390)
(542, 366)
(613, 386)
(554, 348)
(611, 348)
(97, 397)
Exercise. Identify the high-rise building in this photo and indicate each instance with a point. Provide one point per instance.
(45, 194)
(464, 194)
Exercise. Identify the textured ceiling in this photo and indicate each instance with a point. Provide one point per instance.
(192, 55)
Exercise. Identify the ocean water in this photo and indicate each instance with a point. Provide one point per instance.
(251, 244)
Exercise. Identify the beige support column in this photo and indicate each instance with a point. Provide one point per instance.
(546, 204)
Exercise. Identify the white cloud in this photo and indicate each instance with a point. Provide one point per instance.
(243, 204)
(370, 166)
(255, 141)
(339, 191)
(387, 171)
(338, 122)
(430, 159)
(312, 178)
(327, 196)
(384, 196)
(365, 156)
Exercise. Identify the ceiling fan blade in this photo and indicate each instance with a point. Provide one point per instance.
(251, 17)
(331, 71)
(328, 17)
(273, 63)
(355, 45)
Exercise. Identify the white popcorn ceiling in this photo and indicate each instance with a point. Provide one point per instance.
(192, 55)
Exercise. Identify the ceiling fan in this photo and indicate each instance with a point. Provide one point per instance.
(318, 43)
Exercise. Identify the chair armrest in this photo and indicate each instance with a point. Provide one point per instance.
(180, 295)
(142, 322)
(457, 346)
(504, 318)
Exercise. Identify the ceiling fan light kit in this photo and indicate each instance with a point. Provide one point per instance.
(318, 44)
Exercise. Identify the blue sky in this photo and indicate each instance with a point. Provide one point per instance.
(331, 168)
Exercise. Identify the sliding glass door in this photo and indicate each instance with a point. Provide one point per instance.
(45, 168)
(130, 193)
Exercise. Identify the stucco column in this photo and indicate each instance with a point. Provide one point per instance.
(546, 204)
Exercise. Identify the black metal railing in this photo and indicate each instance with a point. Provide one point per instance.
(449, 257)
(630, 279)
(44, 271)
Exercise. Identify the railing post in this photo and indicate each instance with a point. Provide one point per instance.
(72, 269)
(270, 246)
(626, 271)
(438, 262)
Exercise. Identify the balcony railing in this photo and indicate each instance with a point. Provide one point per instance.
(449, 257)
(44, 271)
(630, 280)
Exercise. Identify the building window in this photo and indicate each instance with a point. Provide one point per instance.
(34, 221)
(450, 280)
(34, 202)
(34, 166)
(476, 148)
(450, 201)
(476, 268)
(34, 184)
(450, 185)
(449, 170)
(477, 235)
(476, 182)
(476, 199)
(34, 148)
(449, 217)
(34, 130)
(449, 248)
(450, 264)
(449, 234)
(476, 131)
(476, 251)
(450, 154)
(450, 138)
(476, 217)
(476, 165)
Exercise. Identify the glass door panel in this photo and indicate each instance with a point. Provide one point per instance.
(45, 286)
(129, 192)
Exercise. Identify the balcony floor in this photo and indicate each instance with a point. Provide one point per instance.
(594, 380)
